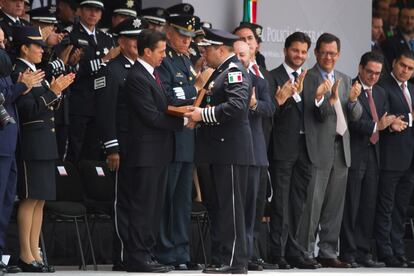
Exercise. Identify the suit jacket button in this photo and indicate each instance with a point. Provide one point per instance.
(222, 139)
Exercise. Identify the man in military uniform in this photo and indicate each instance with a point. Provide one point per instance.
(180, 81)
(10, 13)
(224, 144)
(112, 122)
(97, 48)
(156, 17)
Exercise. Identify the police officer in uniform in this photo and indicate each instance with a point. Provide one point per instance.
(97, 48)
(156, 17)
(9, 18)
(112, 122)
(180, 82)
(224, 144)
(37, 163)
(122, 11)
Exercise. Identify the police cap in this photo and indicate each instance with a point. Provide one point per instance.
(218, 37)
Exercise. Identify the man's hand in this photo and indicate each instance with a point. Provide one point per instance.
(282, 94)
(31, 79)
(54, 38)
(322, 89)
(112, 54)
(398, 124)
(61, 83)
(65, 54)
(202, 78)
(253, 100)
(334, 92)
(75, 57)
(355, 91)
(113, 161)
(385, 121)
(299, 82)
(194, 114)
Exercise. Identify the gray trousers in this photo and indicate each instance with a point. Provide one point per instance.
(324, 207)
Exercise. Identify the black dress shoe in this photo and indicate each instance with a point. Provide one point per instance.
(32, 267)
(313, 261)
(282, 263)
(403, 259)
(149, 266)
(333, 262)
(47, 268)
(225, 269)
(264, 264)
(351, 261)
(367, 261)
(119, 267)
(9, 268)
(301, 263)
(391, 261)
(195, 266)
(253, 266)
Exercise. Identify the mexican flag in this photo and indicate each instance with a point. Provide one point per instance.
(249, 11)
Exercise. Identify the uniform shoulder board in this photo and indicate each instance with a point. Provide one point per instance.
(234, 76)
(233, 65)
(69, 29)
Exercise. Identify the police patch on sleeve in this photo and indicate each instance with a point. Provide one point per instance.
(100, 83)
(235, 77)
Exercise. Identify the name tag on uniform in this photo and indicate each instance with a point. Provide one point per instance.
(99, 83)
(100, 171)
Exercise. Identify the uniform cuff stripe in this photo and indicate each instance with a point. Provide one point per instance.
(111, 141)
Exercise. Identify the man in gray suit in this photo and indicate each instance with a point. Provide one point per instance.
(327, 138)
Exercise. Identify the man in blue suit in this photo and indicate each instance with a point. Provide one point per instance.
(261, 106)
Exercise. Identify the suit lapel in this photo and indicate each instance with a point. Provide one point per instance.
(400, 95)
(153, 83)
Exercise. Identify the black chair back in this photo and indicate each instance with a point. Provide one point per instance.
(68, 182)
(97, 180)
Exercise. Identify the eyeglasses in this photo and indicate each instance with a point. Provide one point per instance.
(328, 54)
(372, 73)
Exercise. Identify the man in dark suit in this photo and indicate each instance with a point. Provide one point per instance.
(396, 180)
(361, 189)
(224, 145)
(112, 123)
(403, 39)
(290, 165)
(150, 150)
(327, 140)
(261, 106)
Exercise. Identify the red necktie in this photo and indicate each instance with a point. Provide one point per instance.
(256, 70)
(375, 136)
(405, 91)
(157, 78)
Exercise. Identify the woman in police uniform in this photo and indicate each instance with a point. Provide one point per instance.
(38, 149)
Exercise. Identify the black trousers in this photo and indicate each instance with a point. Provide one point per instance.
(224, 190)
(147, 186)
(83, 139)
(394, 192)
(359, 211)
(290, 180)
(250, 207)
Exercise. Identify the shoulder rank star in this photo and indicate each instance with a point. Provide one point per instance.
(235, 77)
(136, 23)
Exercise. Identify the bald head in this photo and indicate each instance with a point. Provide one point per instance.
(242, 51)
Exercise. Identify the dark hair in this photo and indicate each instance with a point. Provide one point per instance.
(149, 39)
(297, 37)
(327, 38)
(406, 53)
(405, 7)
(258, 39)
(371, 56)
(376, 15)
